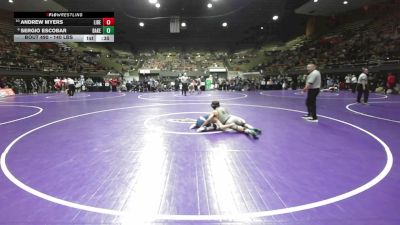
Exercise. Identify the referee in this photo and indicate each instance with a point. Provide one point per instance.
(184, 81)
(71, 87)
(362, 86)
(313, 85)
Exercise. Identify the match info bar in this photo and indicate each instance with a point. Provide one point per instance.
(64, 26)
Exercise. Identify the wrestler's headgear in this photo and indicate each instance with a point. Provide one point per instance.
(214, 104)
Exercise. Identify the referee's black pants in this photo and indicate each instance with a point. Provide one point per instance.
(184, 88)
(362, 92)
(71, 89)
(311, 102)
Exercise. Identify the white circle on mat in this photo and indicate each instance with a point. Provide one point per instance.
(220, 98)
(193, 95)
(327, 94)
(299, 95)
(224, 217)
(63, 97)
(69, 100)
(40, 110)
(348, 107)
(148, 125)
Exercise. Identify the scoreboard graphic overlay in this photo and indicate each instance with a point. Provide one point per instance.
(64, 26)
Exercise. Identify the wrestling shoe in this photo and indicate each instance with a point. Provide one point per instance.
(312, 120)
(306, 117)
(252, 134)
(258, 131)
(201, 129)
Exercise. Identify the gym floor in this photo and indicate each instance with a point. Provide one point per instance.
(130, 158)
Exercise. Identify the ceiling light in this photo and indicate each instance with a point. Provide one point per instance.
(275, 17)
(315, 0)
(158, 5)
(209, 5)
(11, 1)
(183, 24)
(152, 1)
(224, 24)
(262, 28)
(345, 2)
(141, 24)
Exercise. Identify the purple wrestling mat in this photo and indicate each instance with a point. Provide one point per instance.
(116, 158)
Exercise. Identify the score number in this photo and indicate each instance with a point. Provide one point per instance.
(108, 21)
(108, 25)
